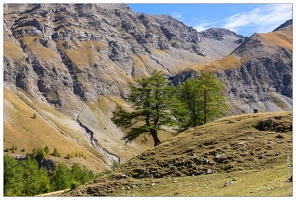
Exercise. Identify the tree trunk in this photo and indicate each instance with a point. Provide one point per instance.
(154, 136)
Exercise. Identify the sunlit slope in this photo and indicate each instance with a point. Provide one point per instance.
(247, 150)
(25, 132)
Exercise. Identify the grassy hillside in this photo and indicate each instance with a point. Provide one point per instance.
(24, 132)
(56, 130)
(245, 155)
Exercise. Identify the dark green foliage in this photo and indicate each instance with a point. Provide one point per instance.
(62, 177)
(188, 113)
(55, 152)
(23, 178)
(36, 180)
(203, 99)
(39, 152)
(213, 96)
(46, 150)
(156, 104)
(12, 177)
(151, 102)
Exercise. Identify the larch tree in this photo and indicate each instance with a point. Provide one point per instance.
(152, 101)
(203, 99)
(212, 92)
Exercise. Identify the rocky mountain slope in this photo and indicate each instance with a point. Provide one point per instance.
(257, 74)
(71, 64)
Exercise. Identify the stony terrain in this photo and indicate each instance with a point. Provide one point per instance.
(71, 65)
(257, 74)
(251, 151)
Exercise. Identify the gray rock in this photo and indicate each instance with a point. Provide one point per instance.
(227, 183)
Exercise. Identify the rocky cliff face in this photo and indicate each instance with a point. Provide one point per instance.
(79, 58)
(257, 74)
(69, 50)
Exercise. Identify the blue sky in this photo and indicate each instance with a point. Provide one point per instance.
(244, 19)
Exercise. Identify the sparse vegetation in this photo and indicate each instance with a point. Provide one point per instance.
(34, 116)
(226, 157)
(46, 150)
(115, 165)
(55, 152)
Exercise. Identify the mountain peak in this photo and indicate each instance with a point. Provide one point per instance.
(286, 24)
(218, 33)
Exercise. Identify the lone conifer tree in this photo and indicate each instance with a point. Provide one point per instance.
(151, 103)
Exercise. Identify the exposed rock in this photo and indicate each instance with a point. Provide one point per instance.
(227, 183)
(280, 136)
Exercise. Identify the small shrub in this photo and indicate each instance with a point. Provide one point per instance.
(115, 165)
(7, 149)
(68, 156)
(74, 185)
(34, 116)
(46, 150)
(23, 150)
(14, 148)
(55, 152)
(106, 171)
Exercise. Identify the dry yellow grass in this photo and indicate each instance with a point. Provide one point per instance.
(139, 68)
(12, 50)
(160, 52)
(27, 132)
(228, 62)
(46, 55)
(261, 173)
(279, 38)
(244, 58)
(21, 130)
(85, 52)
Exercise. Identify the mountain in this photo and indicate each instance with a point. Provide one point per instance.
(70, 64)
(257, 74)
(285, 25)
